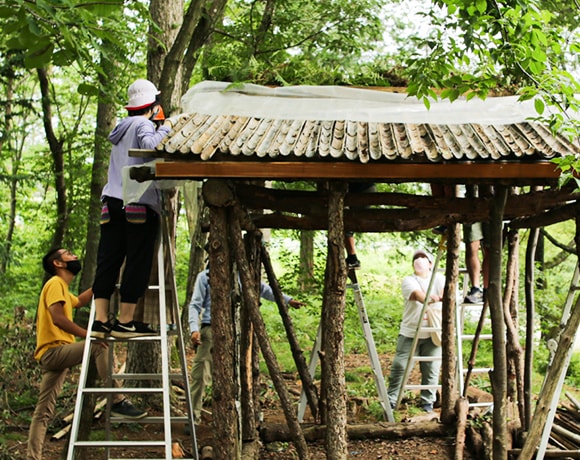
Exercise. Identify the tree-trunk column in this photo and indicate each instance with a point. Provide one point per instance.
(499, 374)
(332, 320)
(225, 390)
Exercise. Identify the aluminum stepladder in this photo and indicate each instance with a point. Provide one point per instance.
(166, 332)
(553, 345)
(413, 359)
(371, 349)
(463, 375)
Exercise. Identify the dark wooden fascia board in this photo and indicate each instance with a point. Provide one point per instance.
(380, 172)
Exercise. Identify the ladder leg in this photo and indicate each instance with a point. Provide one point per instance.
(372, 352)
(311, 369)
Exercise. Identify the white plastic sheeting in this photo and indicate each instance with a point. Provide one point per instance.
(353, 104)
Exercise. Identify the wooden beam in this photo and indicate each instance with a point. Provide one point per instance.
(420, 172)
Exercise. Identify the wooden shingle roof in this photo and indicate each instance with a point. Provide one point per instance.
(353, 125)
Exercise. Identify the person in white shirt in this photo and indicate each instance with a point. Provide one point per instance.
(414, 288)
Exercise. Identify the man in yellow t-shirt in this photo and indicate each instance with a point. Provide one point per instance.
(57, 349)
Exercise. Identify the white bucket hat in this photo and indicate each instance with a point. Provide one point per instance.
(422, 252)
(141, 93)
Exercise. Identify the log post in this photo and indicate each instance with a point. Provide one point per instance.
(225, 391)
(333, 388)
(252, 302)
(449, 355)
(461, 409)
(301, 365)
(499, 374)
(555, 371)
(530, 318)
(249, 360)
(515, 353)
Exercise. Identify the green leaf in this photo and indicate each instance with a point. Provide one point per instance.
(539, 106)
(87, 89)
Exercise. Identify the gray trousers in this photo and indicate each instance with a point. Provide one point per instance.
(55, 364)
(201, 371)
(429, 369)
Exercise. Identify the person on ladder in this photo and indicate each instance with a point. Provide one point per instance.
(128, 230)
(202, 337)
(56, 348)
(414, 289)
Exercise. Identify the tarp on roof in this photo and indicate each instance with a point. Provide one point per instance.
(352, 104)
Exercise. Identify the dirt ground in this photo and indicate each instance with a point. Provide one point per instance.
(434, 448)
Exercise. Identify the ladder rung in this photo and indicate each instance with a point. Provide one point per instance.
(122, 390)
(481, 404)
(427, 358)
(158, 419)
(472, 336)
(430, 329)
(145, 338)
(422, 387)
(119, 443)
(479, 370)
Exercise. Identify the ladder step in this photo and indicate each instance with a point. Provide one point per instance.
(427, 358)
(479, 370)
(472, 336)
(430, 329)
(422, 387)
(145, 338)
(158, 419)
(119, 443)
(145, 376)
(123, 390)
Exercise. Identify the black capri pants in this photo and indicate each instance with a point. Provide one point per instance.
(125, 237)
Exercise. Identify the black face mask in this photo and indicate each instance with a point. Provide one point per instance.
(74, 266)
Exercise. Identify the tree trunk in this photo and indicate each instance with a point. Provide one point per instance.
(8, 138)
(252, 301)
(530, 319)
(306, 278)
(248, 379)
(551, 380)
(307, 384)
(280, 433)
(56, 151)
(167, 17)
(448, 326)
(333, 391)
(225, 390)
(106, 117)
(515, 353)
(499, 374)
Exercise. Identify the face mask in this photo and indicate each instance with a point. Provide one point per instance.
(421, 264)
(74, 266)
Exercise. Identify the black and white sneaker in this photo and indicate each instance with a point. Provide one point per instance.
(126, 409)
(352, 262)
(100, 330)
(132, 329)
(475, 295)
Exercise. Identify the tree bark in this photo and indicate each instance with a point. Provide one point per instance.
(462, 408)
(448, 326)
(225, 391)
(515, 353)
(106, 115)
(280, 433)
(499, 374)
(56, 151)
(555, 370)
(307, 384)
(333, 391)
(530, 319)
(252, 302)
(306, 278)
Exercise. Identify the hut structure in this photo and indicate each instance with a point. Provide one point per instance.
(234, 137)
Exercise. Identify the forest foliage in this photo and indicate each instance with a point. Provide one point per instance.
(52, 69)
